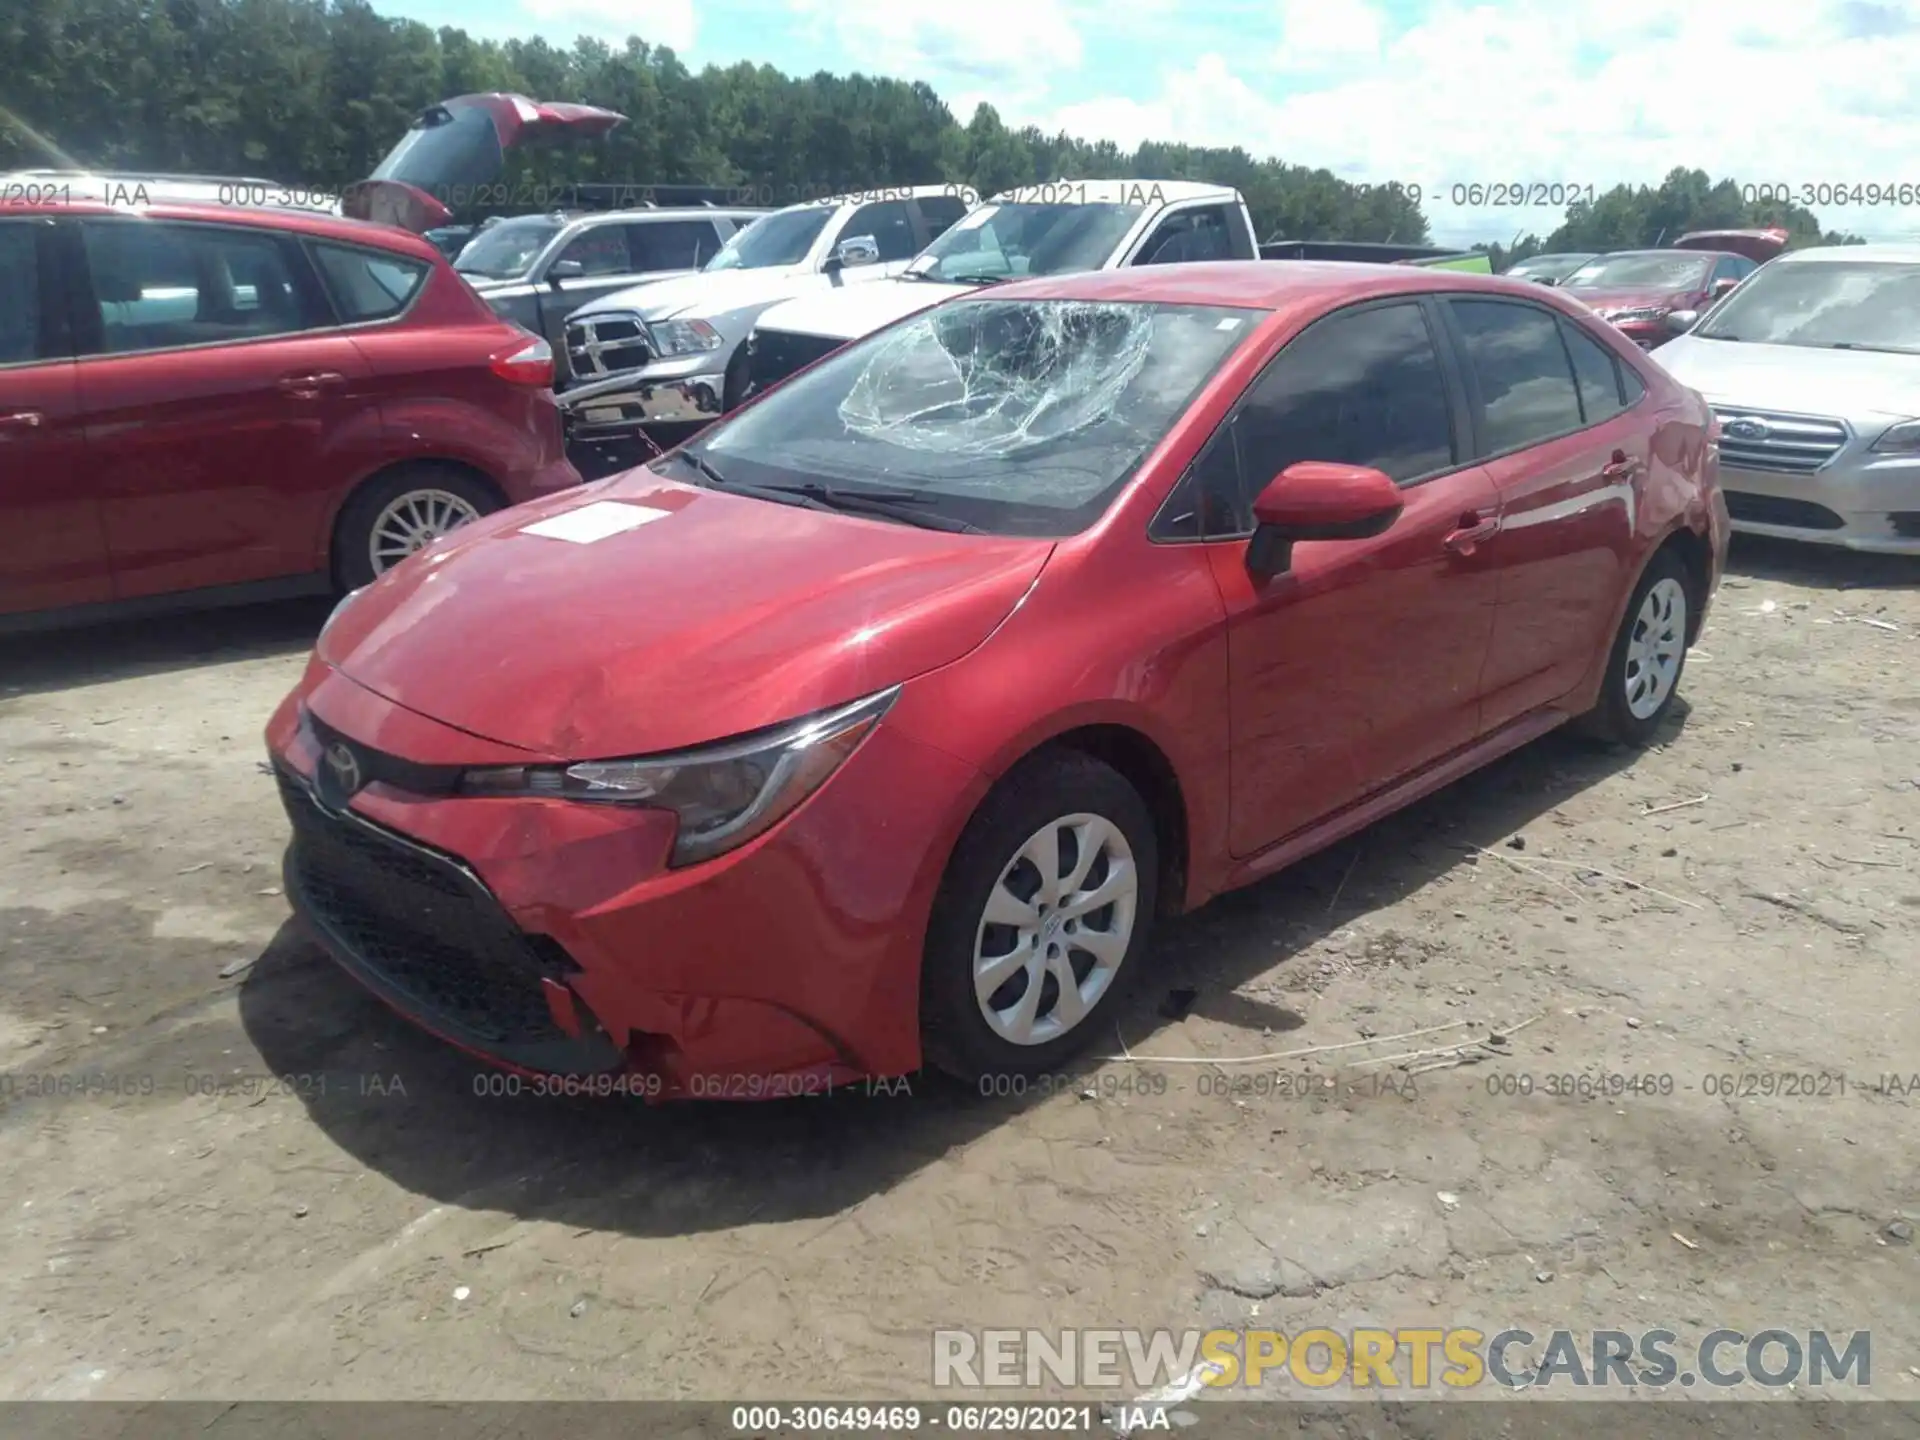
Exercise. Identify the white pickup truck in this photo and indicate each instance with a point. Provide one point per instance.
(674, 351)
(1033, 230)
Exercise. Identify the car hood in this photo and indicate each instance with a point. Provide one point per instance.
(719, 615)
(855, 310)
(1797, 379)
(705, 292)
(1605, 300)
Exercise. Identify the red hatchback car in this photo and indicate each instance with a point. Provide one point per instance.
(876, 726)
(233, 400)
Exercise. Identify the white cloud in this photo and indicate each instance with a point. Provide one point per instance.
(1001, 52)
(672, 23)
(1592, 94)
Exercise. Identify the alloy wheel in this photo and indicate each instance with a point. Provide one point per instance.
(412, 520)
(1656, 647)
(1056, 927)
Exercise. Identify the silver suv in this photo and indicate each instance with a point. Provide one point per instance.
(1813, 367)
(536, 270)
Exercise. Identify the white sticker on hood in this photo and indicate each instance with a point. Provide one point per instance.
(595, 522)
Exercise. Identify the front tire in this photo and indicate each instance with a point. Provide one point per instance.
(401, 511)
(1042, 917)
(1648, 656)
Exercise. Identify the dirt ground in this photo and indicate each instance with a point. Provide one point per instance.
(1740, 901)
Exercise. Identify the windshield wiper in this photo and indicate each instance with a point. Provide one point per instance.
(689, 458)
(976, 279)
(891, 504)
(1876, 349)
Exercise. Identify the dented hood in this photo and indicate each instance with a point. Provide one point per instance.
(717, 614)
(454, 151)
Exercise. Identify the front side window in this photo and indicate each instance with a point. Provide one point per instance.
(1824, 305)
(161, 286)
(507, 250)
(940, 212)
(890, 224)
(1019, 417)
(19, 292)
(599, 250)
(368, 284)
(1190, 235)
(1526, 382)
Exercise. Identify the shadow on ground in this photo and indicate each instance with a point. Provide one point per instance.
(1820, 566)
(623, 1166)
(95, 655)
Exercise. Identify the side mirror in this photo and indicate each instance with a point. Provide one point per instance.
(1318, 500)
(1544, 280)
(1681, 321)
(854, 251)
(565, 270)
(1725, 287)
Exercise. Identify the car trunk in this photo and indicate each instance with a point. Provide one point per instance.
(454, 150)
(1758, 246)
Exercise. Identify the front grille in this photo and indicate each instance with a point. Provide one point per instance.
(773, 355)
(1783, 444)
(599, 345)
(422, 925)
(1779, 510)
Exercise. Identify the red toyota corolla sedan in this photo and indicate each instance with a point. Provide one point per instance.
(876, 726)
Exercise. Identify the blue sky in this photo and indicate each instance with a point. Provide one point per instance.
(1563, 100)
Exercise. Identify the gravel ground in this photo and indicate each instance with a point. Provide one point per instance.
(1740, 902)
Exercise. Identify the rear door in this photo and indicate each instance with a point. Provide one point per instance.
(1567, 455)
(215, 389)
(52, 549)
(1359, 663)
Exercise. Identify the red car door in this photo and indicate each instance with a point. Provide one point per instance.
(1567, 455)
(211, 402)
(1360, 662)
(52, 552)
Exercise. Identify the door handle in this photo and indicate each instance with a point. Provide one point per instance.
(1471, 532)
(1619, 467)
(308, 387)
(23, 420)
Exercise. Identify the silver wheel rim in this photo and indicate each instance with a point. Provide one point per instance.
(413, 520)
(1655, 647)
(1056, 929)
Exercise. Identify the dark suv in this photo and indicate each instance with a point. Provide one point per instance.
(231, 400)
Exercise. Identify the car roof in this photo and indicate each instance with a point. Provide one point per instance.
(1117, 192)
(317, 223)
(1887, 252)
(1261, 284)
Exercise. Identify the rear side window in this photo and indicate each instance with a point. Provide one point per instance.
(672, 244)
(1595, 372)
(368, 284)
(160, 286)
(1526, 381)
(19, 292)
(940, 211)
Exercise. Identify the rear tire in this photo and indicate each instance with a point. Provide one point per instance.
(1041, 920)
(401, 510)
(1648, 656)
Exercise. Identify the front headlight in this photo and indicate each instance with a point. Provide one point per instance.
(683, 337)
(724, 794)
(1901, 439)
(337, 611)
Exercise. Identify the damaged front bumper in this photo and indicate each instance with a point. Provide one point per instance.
(663, 394)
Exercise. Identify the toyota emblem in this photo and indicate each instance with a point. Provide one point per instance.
(1746, 429)
(345, 767)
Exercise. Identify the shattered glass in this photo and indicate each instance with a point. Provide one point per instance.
(995, 380)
